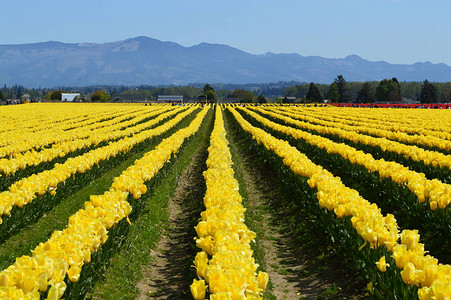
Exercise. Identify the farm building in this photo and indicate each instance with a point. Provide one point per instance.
(25, 97)
(170, 98)
(69, 97)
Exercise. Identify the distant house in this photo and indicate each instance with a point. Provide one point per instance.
(410, 101)
(118, 99)
(130, 98)
(69, 97)
(25, 97)
(170, 98)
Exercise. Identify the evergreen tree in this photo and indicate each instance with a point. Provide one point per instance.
(56, 95)
(332, 92)
(446, 96)
(388, 91)
(364, 94)
(395, 80)
(313, 93)
(1, 96)
(19, 92)
(261, 99)
(342, 88)
(428, 93)
(211, 96)
(207, 88)
(100, 96)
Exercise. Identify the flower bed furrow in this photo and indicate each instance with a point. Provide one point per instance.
(68, 251)
(34, 158)
(387, 125)
(48, 128)
(428, 158)
(382, 187)
(29, 141)
(410, 120)
(374, 120)
(437, 192)
(28, 189)
(420, 140)
(374, 228)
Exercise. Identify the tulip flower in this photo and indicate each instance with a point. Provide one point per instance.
(198, 289)
(382, 265)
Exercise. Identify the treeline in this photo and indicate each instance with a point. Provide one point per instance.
(385, 90)
(192, 91)
(269, 90)
(339, 91)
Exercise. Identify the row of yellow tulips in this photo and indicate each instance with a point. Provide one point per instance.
(434, 279)
(68, 117)
(226, 261)
(27, 141)
(427, 139)
(415, 153)
(26, 190)
(41, 116)
(30, 141)
(34, 158)
(373, 120)
(400, 119)
(68, 250)
(37, 116)
(437, 192)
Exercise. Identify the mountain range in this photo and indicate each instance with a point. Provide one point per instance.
(143, 60)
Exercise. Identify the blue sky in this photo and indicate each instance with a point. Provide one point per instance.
(397, 31)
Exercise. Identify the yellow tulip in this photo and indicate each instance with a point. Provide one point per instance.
(410, 238)
(409, 274)
(198, 289)
(369, 287)
(262, 279)
(6, 278)
(74, 273)
(382, 265)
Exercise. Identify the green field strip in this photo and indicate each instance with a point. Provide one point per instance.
(308, 229)
(94, 122)
(431, 171)
(56, 219)
(118, 233)
(434, 226)
(32, 211)
(8, 180)
(427, 142)
(55, 138)
(408, 118)
(120, 279)
(356, 120)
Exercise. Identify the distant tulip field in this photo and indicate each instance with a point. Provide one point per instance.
(76, 180)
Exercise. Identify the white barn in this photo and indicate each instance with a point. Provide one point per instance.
(69, 97)
(170, 98)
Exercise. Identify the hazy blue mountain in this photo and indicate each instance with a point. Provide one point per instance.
(143, 60)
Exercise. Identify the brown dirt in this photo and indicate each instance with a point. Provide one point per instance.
(295, 272)
(171, 271)
(288, 271)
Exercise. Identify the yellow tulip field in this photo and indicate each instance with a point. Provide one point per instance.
(86, 189)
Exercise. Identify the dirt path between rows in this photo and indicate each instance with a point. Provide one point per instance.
(290, 270)
(171, 272)
(287, 270)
